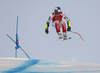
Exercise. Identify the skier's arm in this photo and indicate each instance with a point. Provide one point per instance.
(46, 29)
(47, 25)
(68, 22)
(69, 26)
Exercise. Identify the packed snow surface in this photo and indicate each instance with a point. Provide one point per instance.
(21, 65)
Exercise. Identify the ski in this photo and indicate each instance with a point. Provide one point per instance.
(67, 38)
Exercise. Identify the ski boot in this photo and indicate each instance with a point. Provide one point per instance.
(60, 35)
(65, 35)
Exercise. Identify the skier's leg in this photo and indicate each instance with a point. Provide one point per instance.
(63, 26)
(64, 29)
(57, 26)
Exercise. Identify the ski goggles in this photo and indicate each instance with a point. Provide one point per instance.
(57, 12)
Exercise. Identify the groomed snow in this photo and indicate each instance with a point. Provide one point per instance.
(22, 65)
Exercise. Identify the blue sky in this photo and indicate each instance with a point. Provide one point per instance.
(33, 14)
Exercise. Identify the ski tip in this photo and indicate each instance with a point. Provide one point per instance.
(69, 38)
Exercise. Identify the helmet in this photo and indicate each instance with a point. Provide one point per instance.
(57, 10)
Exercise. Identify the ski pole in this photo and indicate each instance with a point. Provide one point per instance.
(78, 34)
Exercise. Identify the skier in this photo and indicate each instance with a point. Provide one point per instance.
(57, 23)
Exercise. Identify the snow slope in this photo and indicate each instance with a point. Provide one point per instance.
(21, 65)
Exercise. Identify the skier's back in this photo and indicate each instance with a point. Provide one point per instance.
(57, 22)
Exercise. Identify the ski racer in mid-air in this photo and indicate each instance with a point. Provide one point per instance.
(57, 23)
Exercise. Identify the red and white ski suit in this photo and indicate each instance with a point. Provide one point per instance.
(57, 21)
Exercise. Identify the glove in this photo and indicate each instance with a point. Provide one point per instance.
(46, 31)
(69, 28)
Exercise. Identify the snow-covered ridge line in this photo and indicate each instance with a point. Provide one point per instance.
(13, 58)
(22, 65)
